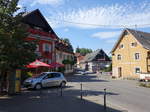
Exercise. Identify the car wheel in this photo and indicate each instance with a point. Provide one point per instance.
(63, 84)
(38, 86)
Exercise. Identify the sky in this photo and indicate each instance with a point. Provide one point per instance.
(94, 24)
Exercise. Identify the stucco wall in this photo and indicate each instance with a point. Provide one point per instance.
(128, 62)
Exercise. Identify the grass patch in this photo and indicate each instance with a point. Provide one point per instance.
(145, 84)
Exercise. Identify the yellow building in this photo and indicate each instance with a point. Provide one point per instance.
(131, 54)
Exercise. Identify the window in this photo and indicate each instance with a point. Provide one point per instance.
(56, 74)
(133, 44)
(47, 47)
(60, 55)
(68, 57)
(118, 57)
(121, 46)
(137, 56)
(37, 48)
(137, 70)
(49, 61)
(49, 76)
(64, 56)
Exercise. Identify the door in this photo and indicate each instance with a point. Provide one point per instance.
(56, 79)
(119, 72)
(48, 80)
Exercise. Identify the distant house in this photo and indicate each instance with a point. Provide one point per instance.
(95, 61)
(64, 54)
(131, 54)
(79, 58)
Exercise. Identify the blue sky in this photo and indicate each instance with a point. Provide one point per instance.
(92, 24)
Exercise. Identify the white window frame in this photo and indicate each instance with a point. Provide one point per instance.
(49, 61)
(135, 56)
(120, 57)
(48, 49)
(135, 70)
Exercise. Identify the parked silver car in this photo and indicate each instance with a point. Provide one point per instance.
(46, 79)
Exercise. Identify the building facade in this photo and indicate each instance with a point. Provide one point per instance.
(79, 59)
(65, 55)
(95, 61)
(40, 30)
(131, 54)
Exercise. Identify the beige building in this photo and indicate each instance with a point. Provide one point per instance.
(131, 54)
(65, 53)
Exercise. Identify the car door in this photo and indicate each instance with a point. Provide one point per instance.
(48, 80)
(57, 79)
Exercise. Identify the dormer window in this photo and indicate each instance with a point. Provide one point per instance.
(118, 57)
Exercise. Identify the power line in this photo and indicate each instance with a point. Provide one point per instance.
(100, 25)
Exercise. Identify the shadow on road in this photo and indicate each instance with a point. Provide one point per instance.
(85, 78)
(49, 100)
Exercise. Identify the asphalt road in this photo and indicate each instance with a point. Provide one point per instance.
(125, 94)
(122, 96)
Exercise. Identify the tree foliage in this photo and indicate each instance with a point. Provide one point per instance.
(83, 51)
(66, 40)
(15, 50)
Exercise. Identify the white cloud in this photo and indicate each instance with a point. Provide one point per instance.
(47, 2)
(125, 15)
(20, 6)
(106, 35)
(66, 29)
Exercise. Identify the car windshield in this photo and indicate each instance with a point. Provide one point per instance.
(38, 76)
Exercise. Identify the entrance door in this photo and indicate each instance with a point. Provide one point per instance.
(119, 72)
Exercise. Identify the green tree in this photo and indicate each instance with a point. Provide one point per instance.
(78, 50)
(83, 51)
(66, 40)
(15, 50)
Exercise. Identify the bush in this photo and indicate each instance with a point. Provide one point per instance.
(113, 77)
(147, 85)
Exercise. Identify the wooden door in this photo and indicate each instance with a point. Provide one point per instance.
(119, 72)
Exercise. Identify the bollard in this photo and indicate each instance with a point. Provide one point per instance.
(81, 91)
(105, 99)
(61, 91)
